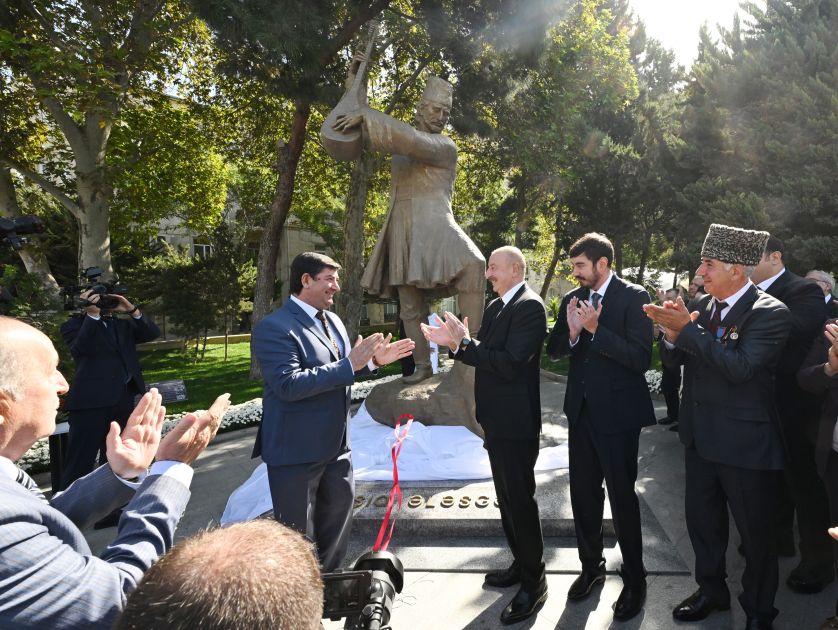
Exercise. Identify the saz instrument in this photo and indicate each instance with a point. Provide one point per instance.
(346, 146)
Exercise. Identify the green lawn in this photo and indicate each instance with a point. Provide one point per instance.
(213, 376)
(205, 379)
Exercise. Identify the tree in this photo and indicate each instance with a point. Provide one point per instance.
(86, 62)
(291, 50)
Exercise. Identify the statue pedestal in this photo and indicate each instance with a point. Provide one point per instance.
(445, 399)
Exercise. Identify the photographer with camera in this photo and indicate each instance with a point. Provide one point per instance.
(107, 378)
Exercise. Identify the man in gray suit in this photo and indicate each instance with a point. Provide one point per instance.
(309, 366)
(49, 577)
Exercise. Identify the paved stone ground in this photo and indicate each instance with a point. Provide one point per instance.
(453, 596)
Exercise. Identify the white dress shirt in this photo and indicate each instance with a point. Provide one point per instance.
(769, 281)
(312, 312)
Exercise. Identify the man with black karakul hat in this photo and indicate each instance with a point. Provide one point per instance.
(729, 348)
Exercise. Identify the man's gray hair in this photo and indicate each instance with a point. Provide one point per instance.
(11, 364)
(515, 255)
(748, 270)
(823, 276)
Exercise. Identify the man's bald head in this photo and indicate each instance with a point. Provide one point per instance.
(506, 268)
(514, 256)
(30, 385)
(15, 337)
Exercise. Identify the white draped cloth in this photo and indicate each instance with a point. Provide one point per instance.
(429, 453)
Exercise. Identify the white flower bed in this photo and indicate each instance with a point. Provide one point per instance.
(653, 379)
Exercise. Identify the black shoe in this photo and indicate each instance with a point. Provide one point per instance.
(584, 584)
(755, 624)
(630, 602)
(525, 604)
(111, 520)
(696, 607)
(504, 577)
(805, 582)
(674, 427)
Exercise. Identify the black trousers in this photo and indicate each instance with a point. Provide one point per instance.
(670, 388)
(710, 490)
(513, 466)
(88, 429)
(831, 480)
(595, 457)
(799, 418)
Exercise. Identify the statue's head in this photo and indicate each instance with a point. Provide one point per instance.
(434, 108)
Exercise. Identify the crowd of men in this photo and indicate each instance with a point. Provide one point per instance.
(756, 414)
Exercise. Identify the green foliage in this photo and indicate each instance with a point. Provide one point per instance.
(26, 299)
(554, 304)
(164, 164)
(199, 295)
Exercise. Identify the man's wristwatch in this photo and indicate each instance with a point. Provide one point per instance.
(464, 342)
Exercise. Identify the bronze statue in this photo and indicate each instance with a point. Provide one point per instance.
(421, 253)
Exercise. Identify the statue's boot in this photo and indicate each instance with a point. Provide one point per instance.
(421, 354)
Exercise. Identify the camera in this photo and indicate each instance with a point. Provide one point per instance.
(11, 230)
(365, 594)
(89, 281)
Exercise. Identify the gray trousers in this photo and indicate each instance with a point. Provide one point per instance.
(316, 499)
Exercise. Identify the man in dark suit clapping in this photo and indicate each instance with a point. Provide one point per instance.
(506, 356)
(602, 327)
(729, 348)
(819, 375)
(798, 411)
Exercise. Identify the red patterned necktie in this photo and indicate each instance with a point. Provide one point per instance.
(716, 319)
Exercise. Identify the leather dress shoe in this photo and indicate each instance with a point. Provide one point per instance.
(584, 584)
(807, 581)
(504, 577)
(696, 607)
(755, 624)
(631, 600)
(525, 604)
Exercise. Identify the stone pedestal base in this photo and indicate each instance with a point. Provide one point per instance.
(444, 399)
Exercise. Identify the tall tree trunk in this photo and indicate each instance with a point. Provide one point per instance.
(522, 219)
(33, 260)
(288, 157)
(644, 259)
(618, 255)
(551, 270)
(351, 296)
(94, 213)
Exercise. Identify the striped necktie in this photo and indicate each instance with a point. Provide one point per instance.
(27, 482)
(321, 315)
